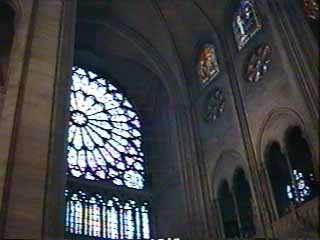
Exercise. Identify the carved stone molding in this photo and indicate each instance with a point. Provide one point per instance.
(258, 63)
(215, 105)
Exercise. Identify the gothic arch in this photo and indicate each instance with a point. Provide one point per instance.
(227, 163)
(227, 210)
(155, 62)
(244, 201)
(275, 126)
(272, 137)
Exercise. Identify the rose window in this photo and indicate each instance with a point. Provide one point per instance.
(104, 135)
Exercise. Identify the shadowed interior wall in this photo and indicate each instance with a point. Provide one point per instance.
(150, 48)
(7, 16)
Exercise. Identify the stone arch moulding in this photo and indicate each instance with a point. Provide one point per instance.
(224, 169)
(275, 127)
(177, 92)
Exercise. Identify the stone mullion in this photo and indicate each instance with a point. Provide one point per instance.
(220, 226)
(191, 178)
(267, 189)
(237, 211)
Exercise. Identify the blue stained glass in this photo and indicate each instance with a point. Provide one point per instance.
(246, 23)
(105, 140)
(298, 190)
(94, 216)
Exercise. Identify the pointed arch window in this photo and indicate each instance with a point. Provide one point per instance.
(302, 186)
(279, 175)
(244, 201)
(291, 171)
(228, 211)
(106, 197)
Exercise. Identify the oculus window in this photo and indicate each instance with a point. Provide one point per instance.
(105, 195)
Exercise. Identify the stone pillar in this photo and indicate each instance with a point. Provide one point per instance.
(27, 141)
(193, 176)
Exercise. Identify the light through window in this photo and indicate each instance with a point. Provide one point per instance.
(104, 133)
(104, 150)
(299, 190)
(108, 218)
(246, 23)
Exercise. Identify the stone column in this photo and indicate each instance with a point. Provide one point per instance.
(29, 145)
(193, 177)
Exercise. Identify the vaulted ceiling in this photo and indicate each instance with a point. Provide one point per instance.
(148, 46)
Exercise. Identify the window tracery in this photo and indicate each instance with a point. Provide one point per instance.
(291, 172)
(215, 105)
(106, 217)
(246, 23)
(258, 64)
(208, 67)
(105, 141)
(104, 146)
(299, 190)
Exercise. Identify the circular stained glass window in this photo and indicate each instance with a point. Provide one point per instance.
(105, 141)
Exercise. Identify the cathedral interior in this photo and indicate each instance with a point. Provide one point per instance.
(159, 119)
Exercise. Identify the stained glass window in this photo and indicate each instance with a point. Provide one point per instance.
(105, 141)
(298, 190)
(258, 64)
(104, 146)
(245, 23)
(215, 105)
(208, 67)
(107, 218)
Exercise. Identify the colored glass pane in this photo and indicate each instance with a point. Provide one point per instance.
(105, 140)
(246, 23)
